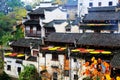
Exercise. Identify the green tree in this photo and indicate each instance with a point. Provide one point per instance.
(29, 73)
(7, 22)
(18, 34)
(6, 38)
(4, 76)
(15, 3)
(1, 63)
(18, 13)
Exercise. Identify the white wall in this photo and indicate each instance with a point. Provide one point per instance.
(14, 66)
(82, 9)
(76, 67)
(56, 14)
(60, 27)
(75, 29)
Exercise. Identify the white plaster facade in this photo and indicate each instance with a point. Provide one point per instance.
(76, 67)
(75, 29)
(83, 5)
(11, 67)
(60, 27)
(56, 14)
(48, 62)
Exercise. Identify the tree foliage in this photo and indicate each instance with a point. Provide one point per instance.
(14, 3)
(18, 34)
(29, 73)
(6, 38)
(6, 25)
(1, 63)
(4, 76)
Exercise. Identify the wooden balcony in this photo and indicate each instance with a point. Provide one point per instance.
(35, 34)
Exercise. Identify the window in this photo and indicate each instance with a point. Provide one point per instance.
(9, 67)
(55, 56)
(35, 53)
(68, 29)
(31, 29)
(43, 55)
(68, 16)
(110, 3)
(66, 73)
(19, 69)
(75, 60)
(38, 28)
(81, 4)
(90, 4)
(55, 76)
(99, 4)
(75, 77)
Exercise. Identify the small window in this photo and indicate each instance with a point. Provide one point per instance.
(31, 29)
(75, 60)
(110, 3)
(66, 73)
(68, 29)
(55, 76)
(99, 4)
(90, 4)
(9, 67)
(81, 4)
(55, 56)
(19, 69)
(75, 77)
(38, 28)
(43, 55)
(68, 16)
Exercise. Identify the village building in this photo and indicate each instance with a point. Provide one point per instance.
(25, 50)
(101, 19)
(57, 56)
(21, 55)
(83, 5)
(71, 7)
(83, 47)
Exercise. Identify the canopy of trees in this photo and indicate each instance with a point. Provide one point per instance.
(14, 3)
(7, 22)
(29, 73)
(4, 76)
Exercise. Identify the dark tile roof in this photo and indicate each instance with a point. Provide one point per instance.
(40, 10)
(63, 37)
(115, 62)
(92, 39)
(50, 24)
(100, 39)
(31, 22)
(102, 13)
(101, 9)
(26, 42)
(108, 27)
(32, 58)
(102, 16)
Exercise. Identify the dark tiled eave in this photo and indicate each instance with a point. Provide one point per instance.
(31, 22)
(100, 39)
(100, 16)
(32, 58)
(26, 42)
(101, 9)
(115, 62)
(109, 27)
(84, 39)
